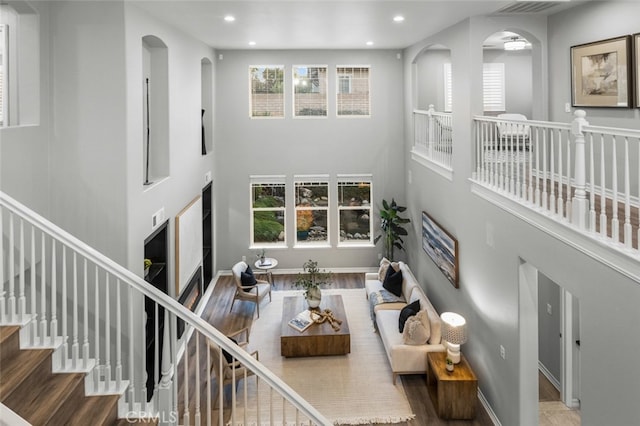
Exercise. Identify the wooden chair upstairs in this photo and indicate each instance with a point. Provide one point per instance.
(229, 372)
(254, 293)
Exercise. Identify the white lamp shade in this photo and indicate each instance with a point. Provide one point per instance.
(454, 328)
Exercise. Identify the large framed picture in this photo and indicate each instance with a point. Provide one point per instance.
(441, 247)
(636, 67)
(601, 74)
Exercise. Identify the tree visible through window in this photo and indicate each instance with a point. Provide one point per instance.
(267, 91)
(310, 91)
(353, 91)
(354, 208)
(312, 211)
(268, 202)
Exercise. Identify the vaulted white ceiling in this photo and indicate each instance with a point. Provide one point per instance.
(323, 24)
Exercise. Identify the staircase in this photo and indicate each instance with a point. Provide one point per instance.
(32, 390)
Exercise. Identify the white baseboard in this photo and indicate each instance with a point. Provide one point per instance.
(544, 370)
(492, 415)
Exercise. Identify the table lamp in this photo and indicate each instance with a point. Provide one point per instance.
(454, 331)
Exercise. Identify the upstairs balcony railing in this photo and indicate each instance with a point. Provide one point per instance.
(70, 297)
(583, 175)
(433, 136)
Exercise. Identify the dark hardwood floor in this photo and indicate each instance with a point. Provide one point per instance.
(217, 313)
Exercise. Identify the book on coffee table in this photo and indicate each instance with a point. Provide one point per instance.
(302, 321)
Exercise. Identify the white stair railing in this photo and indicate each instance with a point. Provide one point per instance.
(433, 135)
(97, 325)
(583, 175)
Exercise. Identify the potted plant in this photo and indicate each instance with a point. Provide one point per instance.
(449, 364)
(304, 220)
(311, 280)
(392, 227)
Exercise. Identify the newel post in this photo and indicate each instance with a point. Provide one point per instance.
(580, 203)
(430, 135)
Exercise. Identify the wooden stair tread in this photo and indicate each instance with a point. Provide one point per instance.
(98, 410)
(18, 369)
(41, 404)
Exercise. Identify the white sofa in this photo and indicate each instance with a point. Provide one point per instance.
(404, 358)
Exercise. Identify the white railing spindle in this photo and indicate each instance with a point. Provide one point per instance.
(12, 273)
(627, 196)
(22, 303)
(54, 294)
(118, 336)
(65, 333)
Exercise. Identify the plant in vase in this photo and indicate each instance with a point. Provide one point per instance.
(304, 220)
(261, 256)
(311, 280)
(449, 363)
(392, 227)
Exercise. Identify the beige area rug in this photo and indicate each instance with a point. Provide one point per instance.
(349, 389)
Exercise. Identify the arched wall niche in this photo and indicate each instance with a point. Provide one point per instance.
(430, 76)
(155, 101)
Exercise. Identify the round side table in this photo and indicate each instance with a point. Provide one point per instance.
(266, 267)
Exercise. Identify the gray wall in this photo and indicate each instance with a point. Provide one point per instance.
(549, 325)
(429, 68)
(288, 146)
(489, 273)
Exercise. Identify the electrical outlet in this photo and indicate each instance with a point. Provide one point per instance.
(244, 258)
(207, 177)
(567, 107)
(489, 232)
(549, 310)
(157, 218)
(503, 353)
(379, 256)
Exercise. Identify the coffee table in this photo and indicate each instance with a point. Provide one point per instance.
(318, 339)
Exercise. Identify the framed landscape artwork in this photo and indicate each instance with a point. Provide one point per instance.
(441, 247)
(601, 73)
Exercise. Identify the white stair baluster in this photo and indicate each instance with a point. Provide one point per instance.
(603, 187)
(43, 291)
(627, 196)
(34, 314)
(615, 222)
(107, 332)
(54, 294)
(75, 344)
(85, 318)
(65, 332)
(22, 302)
(12, 274)
(118, 302)
(96, 330)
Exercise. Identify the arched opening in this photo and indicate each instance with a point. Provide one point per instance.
(432, 78)
(507, 74)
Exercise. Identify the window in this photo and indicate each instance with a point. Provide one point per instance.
(354, 209)
(352, 91)
(448, 87)
(312, 209)
(310, 91)
(268, 202)
(493, 86)
(267, 91)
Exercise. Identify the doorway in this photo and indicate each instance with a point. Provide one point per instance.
(551, 313)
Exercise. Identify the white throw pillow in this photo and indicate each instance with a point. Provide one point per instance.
(384, 265)
(417, 329)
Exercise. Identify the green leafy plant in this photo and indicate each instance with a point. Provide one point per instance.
(312, 277)
(392, 227)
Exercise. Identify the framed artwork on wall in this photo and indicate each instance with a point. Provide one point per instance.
(636, 68)
(441, 247)
(601, 74)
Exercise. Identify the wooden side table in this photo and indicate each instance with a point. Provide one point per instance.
(454, 394)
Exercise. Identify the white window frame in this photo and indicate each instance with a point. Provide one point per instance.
(355, 179)
(251, 93)
(493, 86)
(267, 180)
(341, 74)
(323, 83)
(312, 180)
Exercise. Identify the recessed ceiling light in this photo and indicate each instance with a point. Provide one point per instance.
(252, 43)
(369, 43)
(229, 18)
(398, 18)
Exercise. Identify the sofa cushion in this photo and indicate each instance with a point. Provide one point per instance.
(384, 267)
(247, 278)
(417, 330)
(435, 323)
(393, 281)
(406, 312)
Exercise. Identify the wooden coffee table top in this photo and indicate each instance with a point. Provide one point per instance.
(318, 339)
